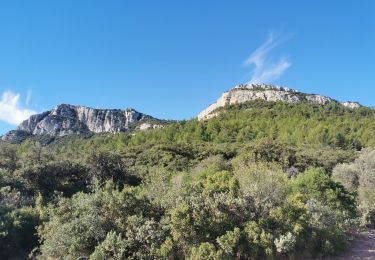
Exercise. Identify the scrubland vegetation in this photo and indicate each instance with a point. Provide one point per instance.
(260, 181)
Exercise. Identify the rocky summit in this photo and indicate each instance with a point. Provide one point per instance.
(246, 92)
(69, 119)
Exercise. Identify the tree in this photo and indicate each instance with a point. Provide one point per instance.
(55, 176)
(104, 165)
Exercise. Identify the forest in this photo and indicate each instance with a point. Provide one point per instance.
(261, 180)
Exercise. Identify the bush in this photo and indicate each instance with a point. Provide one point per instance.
(17, 232)
(316, 184)
(359, 177)
(80, 226)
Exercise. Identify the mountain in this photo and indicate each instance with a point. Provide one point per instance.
(69, 119)
(247, 92)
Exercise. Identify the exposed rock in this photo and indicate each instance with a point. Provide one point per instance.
(318, 99)
(247, 92)
(16, 136)
(68, 119)
(146, 126)
(351, 104)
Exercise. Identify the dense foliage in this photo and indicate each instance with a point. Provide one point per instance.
(359, 177)
(253, 183)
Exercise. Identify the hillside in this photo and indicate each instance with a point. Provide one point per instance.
(243, 93)
(260, 179)
(274, 106)
(298, 124)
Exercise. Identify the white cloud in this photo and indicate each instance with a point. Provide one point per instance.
(11, 110)
(28, 96)
(266, 69)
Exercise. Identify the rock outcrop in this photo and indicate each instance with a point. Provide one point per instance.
(351, 104)
(69, 119)
(246, 92)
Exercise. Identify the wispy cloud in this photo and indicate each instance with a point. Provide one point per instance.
(267, 69)
(28, 96)
(11, 110)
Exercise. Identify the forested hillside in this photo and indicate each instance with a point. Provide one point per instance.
(261, 180)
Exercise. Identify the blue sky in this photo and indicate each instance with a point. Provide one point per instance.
(171, 59)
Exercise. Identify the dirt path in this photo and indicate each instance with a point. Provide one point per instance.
(362, 247)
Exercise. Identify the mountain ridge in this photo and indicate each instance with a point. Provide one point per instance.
(66, 119)
(242, 93)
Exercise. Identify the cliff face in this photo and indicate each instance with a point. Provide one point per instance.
(247, 92)
(68, 119)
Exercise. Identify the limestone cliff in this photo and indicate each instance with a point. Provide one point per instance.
(247, 92)
(69, 119)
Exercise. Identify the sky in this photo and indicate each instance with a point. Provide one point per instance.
(173, 58)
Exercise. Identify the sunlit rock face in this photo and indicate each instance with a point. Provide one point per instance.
(68, 119)
(147, 126)
(247, 92)
(351, 104)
